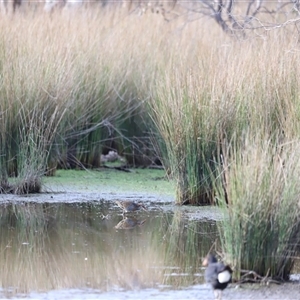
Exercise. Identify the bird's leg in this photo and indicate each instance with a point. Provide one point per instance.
(218, 294)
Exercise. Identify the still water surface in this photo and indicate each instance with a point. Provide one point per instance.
(90, 250)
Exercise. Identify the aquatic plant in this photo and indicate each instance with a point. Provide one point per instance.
(184, 115)
(259, 191)
(204, 100)
(28, 126)
(65, 98)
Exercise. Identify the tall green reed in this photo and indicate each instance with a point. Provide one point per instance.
(191, 124)
(98, 102)
(260, 229)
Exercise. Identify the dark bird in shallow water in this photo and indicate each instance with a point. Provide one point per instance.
(130, 206)
(217, 274)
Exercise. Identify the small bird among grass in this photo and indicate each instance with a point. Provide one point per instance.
(217, 274)
(130, 206)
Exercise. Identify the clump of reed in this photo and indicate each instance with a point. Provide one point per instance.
(184, 118)
(259, 195)
(28, 127)
(70, 91)
(223, 89)
(234, 105)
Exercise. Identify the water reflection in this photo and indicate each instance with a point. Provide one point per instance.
(129, 223)
(63, 246)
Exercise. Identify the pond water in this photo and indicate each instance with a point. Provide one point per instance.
(52, 250)
(91, 248)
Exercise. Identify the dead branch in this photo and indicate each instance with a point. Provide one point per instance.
(242, 17)
(252, 276)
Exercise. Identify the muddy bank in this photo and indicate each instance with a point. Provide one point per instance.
(287, 291)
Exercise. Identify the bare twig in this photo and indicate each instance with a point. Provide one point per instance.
(256, 278)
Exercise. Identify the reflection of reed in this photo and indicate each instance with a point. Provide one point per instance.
(82, 249)
(29, 216)
(24, 240)
(185, 246)
(129, 223)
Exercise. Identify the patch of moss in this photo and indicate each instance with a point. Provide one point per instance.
(110, 180)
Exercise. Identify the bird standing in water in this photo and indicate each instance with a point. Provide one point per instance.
(216, 274)
(130, 206)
